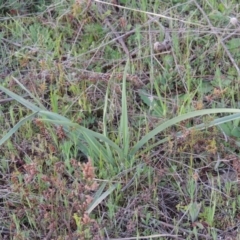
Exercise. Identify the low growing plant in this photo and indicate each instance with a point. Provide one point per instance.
(97, 145)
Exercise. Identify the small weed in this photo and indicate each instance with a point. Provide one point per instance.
(52, 202)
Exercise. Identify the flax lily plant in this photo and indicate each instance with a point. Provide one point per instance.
(96, 144)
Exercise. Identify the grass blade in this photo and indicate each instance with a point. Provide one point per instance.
(124, 131)
(16, 127)
(60, 120)
(20, 99)
(105, 121)
(49, 117)
(101, 198)
(29, 93)
(178, 119)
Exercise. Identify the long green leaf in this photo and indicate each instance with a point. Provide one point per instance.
(98, 200)
(29, 93)
(20, 99)
(97, 195)
(98, 148)
(178, 119)
(124, 130)
(16, 127)
(54, 118)
(60, 120)
(198, 127)
(105, 120)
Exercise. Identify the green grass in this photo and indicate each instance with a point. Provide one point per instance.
(112, 138)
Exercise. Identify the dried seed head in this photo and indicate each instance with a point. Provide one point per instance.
(163, 46)
(156, 46)
(151, 98)
(233, 21)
